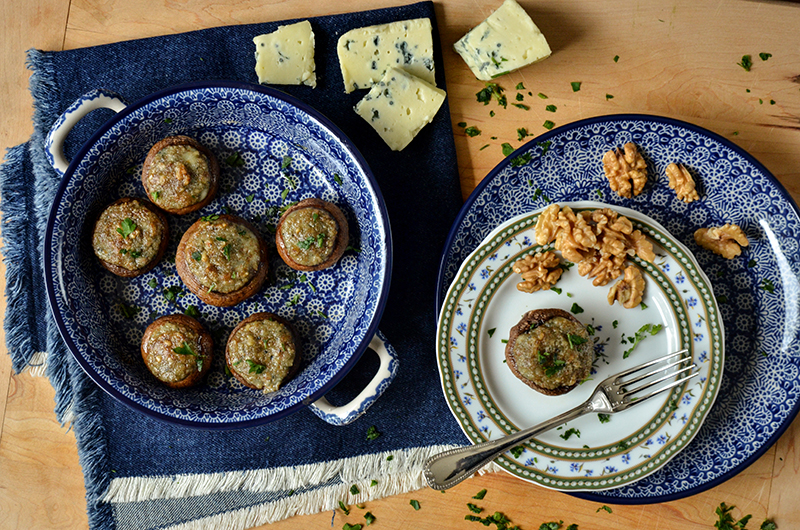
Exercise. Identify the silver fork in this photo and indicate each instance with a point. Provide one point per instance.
(448, 468)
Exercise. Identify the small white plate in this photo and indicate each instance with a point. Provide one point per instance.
(481, 306)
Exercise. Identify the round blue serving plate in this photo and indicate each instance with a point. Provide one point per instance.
(758, 292)
(273, 150)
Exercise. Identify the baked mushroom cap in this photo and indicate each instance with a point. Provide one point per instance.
(213, 171)
(339, 244)
(255, 365)
(551, 354)
(172, 352)
(126, 230)
(209, 294)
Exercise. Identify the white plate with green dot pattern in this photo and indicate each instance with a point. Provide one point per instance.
(591, 453)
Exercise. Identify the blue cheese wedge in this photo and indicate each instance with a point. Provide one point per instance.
(366, 53)
(399, 106)
(286, 56)
(507, 40)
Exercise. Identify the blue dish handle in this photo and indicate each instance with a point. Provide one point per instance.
(351, 411)
(54, 143)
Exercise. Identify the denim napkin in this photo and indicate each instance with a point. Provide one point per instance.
(141, 473)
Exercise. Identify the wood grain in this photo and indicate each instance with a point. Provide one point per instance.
(676, 59)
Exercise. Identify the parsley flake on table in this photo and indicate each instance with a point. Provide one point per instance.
(348, 526)
(543, 96)
(551, 108)
(609, 96)
(520, 86)
(764, 56)
(747, 62)
(726, 520)
(522, 132)
(474, 508)
(492, 90)
(462, 124)
(414, 503)
(521, 160)
(640, 335)
(472, 131)
(507, 148)
(373, 433)
(209, 218)
(548, 124)
(521, 106)
(344, 508)
(576, 309)
(480, 495)
(576, 85)
(491, 332)
(354, 490)
(126, 227)
(616, 58)
(369, 518)
(520, 97)
(604, 507)
(152, 282)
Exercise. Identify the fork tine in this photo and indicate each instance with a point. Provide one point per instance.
(656, 381)
(650, 363)
(660, 390)
(655, 371)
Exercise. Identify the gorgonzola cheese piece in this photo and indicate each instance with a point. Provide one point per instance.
(366, 53)
(399, 106)
(507, 40)
(286, 56)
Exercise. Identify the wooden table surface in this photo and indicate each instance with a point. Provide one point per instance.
(676, 59)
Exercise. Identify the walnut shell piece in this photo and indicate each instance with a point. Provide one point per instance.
(629, 290)
(725, 240)
(539, 272)
(626, 171)
(682, 182)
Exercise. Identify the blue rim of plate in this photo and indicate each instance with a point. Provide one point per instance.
(623, 125)
(324, 123)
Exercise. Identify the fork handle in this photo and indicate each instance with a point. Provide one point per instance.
(450, 467)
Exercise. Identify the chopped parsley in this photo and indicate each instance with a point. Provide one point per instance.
(764, 56)
(522, 132)
(556, 290)
(575, 340)
(576, 309)
(462, 124)
(128, 311)
(517, 451)
(348, 526)
(186, 349)
(373, 433)
(548, 124)
(480, 495)
(550, 108)
(492, 90)
(767, 285)
(197, 255)
(415, 504)
(235, 160)
(344, 508)
(576, 86)
(126, 227)
(226, 251)
(520, 97)
(171, 293)
(474, 508)
(255, 368)
(604, 418)
(354, 490)
(507, 148)
(520, 86)
(250, 197)
(368, 517)
(152, 282)
(286, 162)
(569, 432)
(543, 96)
(616, 58)
(484, 147)
(192, 311)
(294, 301)
(609, 96)
(209, 218)
(545, 146)
(472, 131)
(747, 62)
(640, 335)
(491, 332)
(337, 179)
(615, 324)
(521, 106)
(726, 520)
(604, 507)
(521, 160)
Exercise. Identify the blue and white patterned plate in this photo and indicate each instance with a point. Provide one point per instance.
(758, 293)
(483, 304)
(251, 130)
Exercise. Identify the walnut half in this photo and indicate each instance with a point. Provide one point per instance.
(626, 172)
(629, 290)
(540, 271)
(725, 240)
(682, 182)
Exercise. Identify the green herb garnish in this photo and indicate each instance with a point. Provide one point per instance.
(609, 96)
(543, 96)
(604, 418)
(520, 97)
(640, 335)
(491, 332)
(569, 432)
(548, 124)
(521, 160)
(507, 148)
(354, 490)
(520, 86)
(604, 507)
(171, 293)
(576, 309)
(126, 227)
(474, 508)
(286, 162)
(415, 504)
(576, 85)
(373, 433)
(747, 62)
(551, 108)
(226, 251)
(337, 179)
(764, 56)
(235, 160)
(480, 495)
(767, 285)
(517, 451)
(522, 132)
(128, 311)
(255, 368)
(368, 517)
(197, 255)
(192, 311)
(472, 131)
(616, 58)
(575, 340)
(209, 218)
